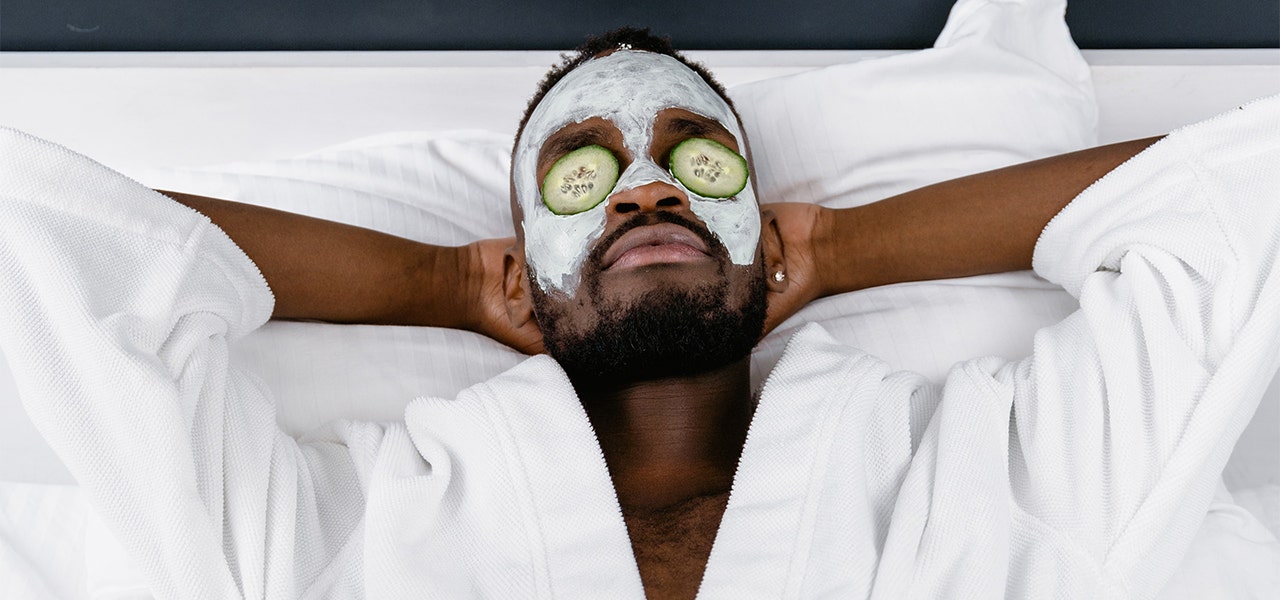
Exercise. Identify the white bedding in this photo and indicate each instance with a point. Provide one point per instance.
(148, 114)
(135, 111)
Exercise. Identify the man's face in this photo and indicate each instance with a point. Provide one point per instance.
(638, 104)
(655, 271)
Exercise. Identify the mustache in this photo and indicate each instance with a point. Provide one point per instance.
(714, 247)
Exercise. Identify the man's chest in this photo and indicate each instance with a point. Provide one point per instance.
(672, 546)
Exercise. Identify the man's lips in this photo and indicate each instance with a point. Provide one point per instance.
(650, 244)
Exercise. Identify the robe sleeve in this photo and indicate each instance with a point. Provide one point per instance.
(119, 305)
(1127, 411)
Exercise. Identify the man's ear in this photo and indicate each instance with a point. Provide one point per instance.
(774, 252)
(515, 287)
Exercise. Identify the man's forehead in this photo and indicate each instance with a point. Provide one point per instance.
(628, 88)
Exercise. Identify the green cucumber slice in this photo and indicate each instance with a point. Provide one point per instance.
(708, 168)
(579, 180)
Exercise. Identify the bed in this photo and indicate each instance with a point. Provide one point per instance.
(393, 140)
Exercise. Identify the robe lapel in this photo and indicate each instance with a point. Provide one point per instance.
(806, 427)
(525, 436)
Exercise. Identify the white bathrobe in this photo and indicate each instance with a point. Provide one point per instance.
(1081, 471)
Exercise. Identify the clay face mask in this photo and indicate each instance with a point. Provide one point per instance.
(628, 88)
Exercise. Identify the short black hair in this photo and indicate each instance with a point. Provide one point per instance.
(623, 37)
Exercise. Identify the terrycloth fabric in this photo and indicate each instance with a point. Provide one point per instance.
(1081, 471)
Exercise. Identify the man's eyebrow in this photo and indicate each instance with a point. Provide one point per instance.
(562, 144)
(696, 127)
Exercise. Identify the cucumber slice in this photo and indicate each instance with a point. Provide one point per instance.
(708, 168)
(579, 180)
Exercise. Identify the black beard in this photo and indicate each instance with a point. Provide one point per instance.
(664, 333)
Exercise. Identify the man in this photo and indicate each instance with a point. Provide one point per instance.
(607, 471)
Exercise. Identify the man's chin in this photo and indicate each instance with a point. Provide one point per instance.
(666, 328)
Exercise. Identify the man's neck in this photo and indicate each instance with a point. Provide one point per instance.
(670, 441)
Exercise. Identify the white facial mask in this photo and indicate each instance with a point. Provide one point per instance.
(628, 88)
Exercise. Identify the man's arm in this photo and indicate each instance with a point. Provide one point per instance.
(983, 223)
(327, 271)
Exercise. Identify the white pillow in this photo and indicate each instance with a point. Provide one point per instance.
(1004, 84)
(447, 188)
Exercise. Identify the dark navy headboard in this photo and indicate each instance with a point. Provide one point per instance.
(44, 25)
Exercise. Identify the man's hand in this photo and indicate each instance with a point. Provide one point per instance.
(798, 224)
(489, 310)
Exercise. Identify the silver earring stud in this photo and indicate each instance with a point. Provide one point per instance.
(779, 276)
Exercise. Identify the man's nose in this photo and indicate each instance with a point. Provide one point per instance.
(650, 197)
